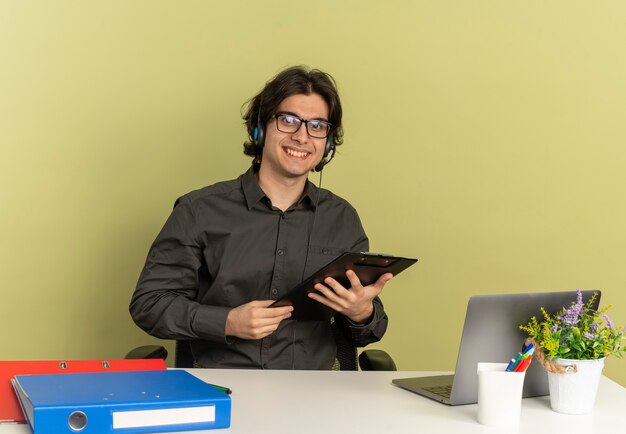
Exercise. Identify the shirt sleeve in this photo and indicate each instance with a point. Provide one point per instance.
(361, 335)
(164, 302)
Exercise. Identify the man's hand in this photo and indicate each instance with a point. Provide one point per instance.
(255, 320)
(354, 303)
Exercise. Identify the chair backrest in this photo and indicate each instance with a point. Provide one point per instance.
(346, 353)
(183, 358)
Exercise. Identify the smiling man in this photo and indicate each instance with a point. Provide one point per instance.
(228, 251)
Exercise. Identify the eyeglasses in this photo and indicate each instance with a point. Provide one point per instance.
(288, 123)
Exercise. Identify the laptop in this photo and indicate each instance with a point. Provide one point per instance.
(491, 334)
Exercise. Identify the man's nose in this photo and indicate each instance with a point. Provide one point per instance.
(302, 135)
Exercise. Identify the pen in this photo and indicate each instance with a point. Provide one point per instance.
(516, 361)
(222, 388)
(529, 349)
(523, 365)
(510, 366)
(529, 352)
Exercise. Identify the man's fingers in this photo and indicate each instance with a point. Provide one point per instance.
(255, 319)
(383, 279)
(275, 312)
(354, 279)
(323, 299)
(262, 309)
(268, 320)
(327, 292)
(261, 303)
(337, 287)
(354, 302)
(330, 297)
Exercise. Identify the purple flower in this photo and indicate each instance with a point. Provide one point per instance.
(609, 323)
(593, 328)
(554, 328)
(570, 316)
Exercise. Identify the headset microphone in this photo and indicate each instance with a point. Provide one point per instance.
(329, 148)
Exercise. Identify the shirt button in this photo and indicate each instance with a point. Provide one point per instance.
(280, 252)
(274, 291)
(325, 251)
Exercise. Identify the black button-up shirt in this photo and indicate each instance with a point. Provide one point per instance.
(225, 245)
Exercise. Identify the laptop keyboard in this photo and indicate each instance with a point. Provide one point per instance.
(443, 391)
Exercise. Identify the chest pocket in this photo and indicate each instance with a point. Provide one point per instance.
(331, 252)
(319, 256)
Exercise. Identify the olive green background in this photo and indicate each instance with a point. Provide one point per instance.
(486, 138)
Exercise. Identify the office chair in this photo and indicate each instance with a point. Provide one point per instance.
(369, 360)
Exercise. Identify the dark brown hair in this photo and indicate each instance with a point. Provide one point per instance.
(291, 81)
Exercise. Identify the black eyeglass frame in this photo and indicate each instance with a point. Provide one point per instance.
(302, 121)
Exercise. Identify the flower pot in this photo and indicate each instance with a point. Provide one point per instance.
(575, 392)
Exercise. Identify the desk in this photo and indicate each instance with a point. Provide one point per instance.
(366, 402)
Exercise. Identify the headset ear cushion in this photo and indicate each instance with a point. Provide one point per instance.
(259, 136)
(259, 132)
(328, 147)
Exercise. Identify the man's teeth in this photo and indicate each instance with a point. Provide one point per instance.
(299, 154)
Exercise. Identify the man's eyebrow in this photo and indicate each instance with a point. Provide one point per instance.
(284, 112)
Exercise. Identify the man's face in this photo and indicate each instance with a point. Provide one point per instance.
(293, 155)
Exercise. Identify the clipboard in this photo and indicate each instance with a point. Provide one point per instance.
(10, 410)
(367, 266)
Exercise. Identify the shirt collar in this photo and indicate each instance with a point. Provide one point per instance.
(253, 193)
(310, 193)
(251, 190)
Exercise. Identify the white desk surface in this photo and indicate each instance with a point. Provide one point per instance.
(366, 402)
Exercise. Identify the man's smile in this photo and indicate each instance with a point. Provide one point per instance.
(295, 153)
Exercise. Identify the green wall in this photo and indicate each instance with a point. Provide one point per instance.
(486, 138)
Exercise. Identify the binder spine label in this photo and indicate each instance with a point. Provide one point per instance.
(163, 417)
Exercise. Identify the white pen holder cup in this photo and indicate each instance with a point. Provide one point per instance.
(499, 395)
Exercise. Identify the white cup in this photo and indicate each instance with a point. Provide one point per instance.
(499, 395)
